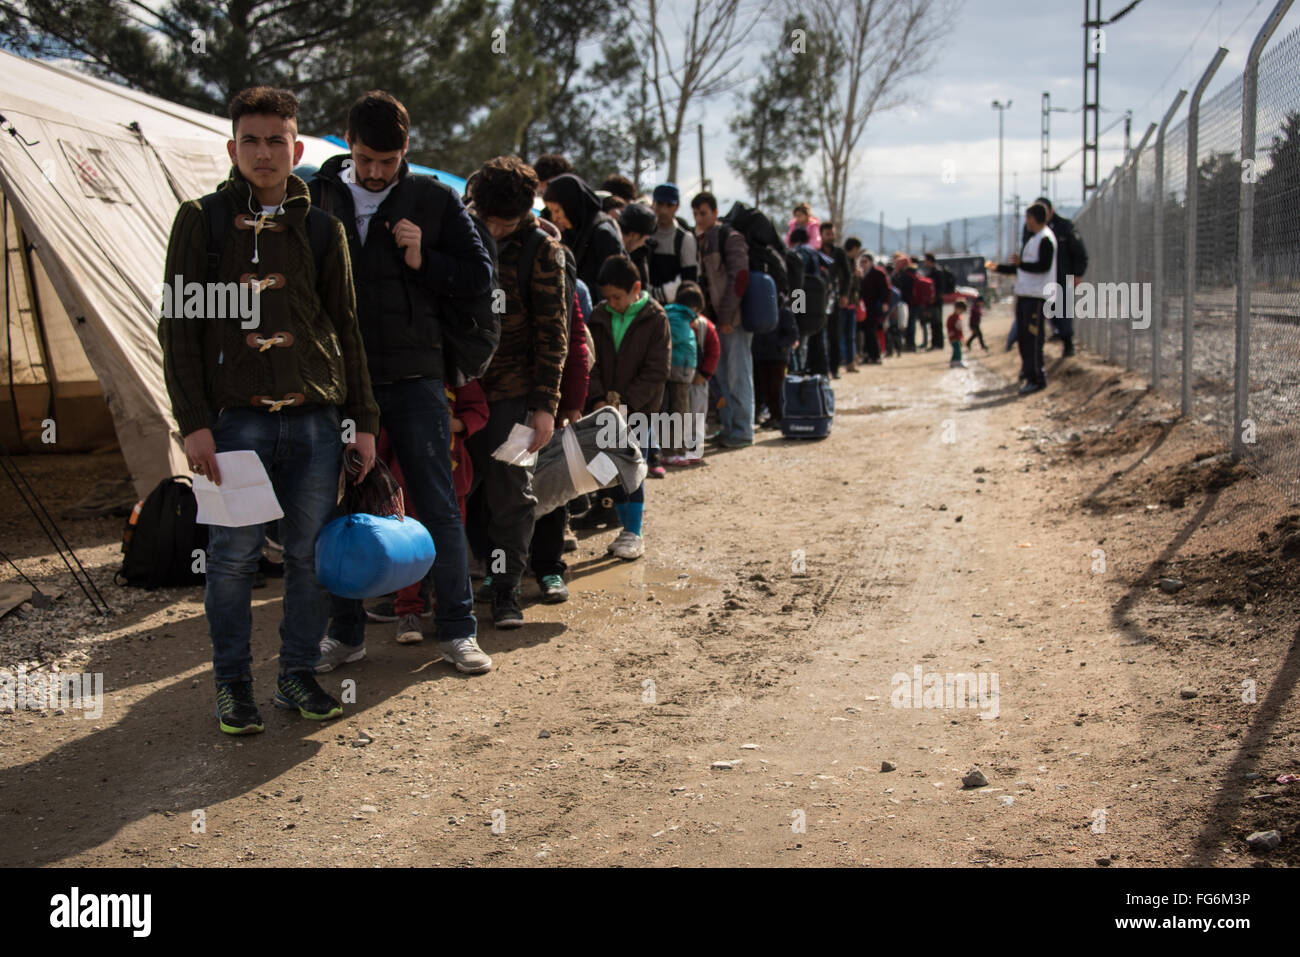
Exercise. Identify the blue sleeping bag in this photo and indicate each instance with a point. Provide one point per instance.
(365, 556)
(758, 308)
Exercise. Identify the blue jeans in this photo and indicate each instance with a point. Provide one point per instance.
(735, 375)
(302, 453)
(415, 414)
(849, 336)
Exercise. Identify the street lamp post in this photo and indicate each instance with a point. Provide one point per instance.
(1001, 108)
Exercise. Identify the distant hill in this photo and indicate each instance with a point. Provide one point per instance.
(980, 230)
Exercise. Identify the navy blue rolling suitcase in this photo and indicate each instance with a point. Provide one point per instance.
(807, 407)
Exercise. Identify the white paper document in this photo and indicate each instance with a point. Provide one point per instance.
(244, 497)
(514, 450)
(602, 469)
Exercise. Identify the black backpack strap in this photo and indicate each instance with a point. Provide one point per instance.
(324, 194)
(527, 259)
(679, 237)
(217, 213)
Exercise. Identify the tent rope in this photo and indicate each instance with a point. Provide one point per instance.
(36, 588)
(25, 489)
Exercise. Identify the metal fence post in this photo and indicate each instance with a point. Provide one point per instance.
(1116, 218)
(1158, 276)
(1190, 208)
(1246, 225)
(1105, 228)
(1130, 334)
(1103, 268)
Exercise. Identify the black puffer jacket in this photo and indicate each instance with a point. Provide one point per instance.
(398, 308)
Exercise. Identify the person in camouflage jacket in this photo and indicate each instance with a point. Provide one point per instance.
(523, 381)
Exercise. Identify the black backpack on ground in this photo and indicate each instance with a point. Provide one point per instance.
(807, 407)
(161, 536)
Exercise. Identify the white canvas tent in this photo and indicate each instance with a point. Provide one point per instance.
(91, 175)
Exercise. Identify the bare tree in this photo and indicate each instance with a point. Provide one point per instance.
(872, 47)
(696, 61)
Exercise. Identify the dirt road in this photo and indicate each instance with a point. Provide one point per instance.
(730, 699)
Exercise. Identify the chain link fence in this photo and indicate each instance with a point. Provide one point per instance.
(1230, 355)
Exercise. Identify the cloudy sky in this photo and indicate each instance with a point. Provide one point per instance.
(1017, 50)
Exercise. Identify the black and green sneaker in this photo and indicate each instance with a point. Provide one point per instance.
(236, 710)
(553, 589)
(485, 591)
(300, 690)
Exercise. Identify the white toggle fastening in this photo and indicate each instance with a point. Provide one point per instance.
(265, 344)
(259, 223)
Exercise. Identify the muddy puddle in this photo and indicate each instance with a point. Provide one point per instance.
(640, 581)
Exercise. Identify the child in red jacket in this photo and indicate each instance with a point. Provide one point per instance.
(469, 413)
(954, 332)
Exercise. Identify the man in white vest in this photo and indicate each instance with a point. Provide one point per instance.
(1035, 271)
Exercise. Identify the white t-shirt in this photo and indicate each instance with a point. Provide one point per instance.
(364, 201)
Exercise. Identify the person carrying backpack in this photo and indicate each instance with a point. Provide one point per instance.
(840, 321)
(813, 355)
(1071, 260)
(523, 380)
(278, 388)
(637, 224)
(724, 274)
(1035, 271)
(675, 257)
(549, 545)
(417, 260)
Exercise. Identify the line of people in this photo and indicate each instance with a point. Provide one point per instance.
(403, 321)
(400, 319)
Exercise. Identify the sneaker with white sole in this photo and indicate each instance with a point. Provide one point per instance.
(408, 630)
(334, 653)
(628, 546)
(466, 655)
